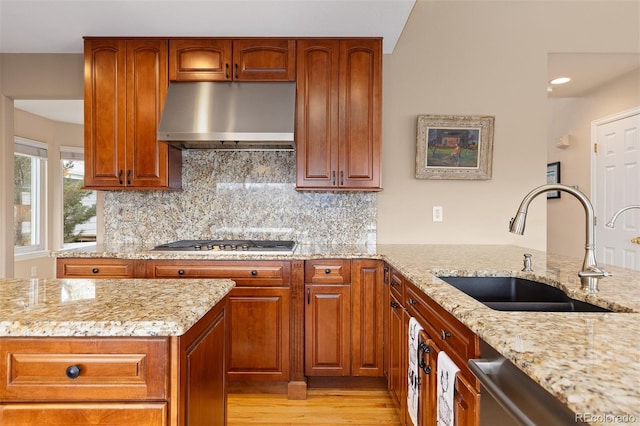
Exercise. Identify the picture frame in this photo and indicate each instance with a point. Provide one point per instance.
(454, 147)
(553, 176)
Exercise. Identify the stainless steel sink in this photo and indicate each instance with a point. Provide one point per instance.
(519, 294)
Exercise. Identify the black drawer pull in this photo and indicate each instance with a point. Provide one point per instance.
(394, 305)
(180, 271)
(444, 334)
(254, 272)
(412, 301)
(327, 271)
(73, 371)
(95, 270)
(393, 283)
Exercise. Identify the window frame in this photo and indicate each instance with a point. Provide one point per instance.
(39, 151)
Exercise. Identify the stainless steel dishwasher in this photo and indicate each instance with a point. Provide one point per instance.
(508, 397)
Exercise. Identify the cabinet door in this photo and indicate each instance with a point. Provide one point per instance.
(360, 113)
(264, 60)
(317, 114)
(205, 382)
(466, 403)
(104, 112)
(200, 60)
(327, 330)
(146, 159)
(397, 354)
(366, 318)
(258, 333)
(427, 359)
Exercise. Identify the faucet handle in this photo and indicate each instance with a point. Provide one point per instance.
(527, 263)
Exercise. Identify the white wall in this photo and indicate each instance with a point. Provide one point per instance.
(484, 58)
(28, 76)
(573, 116)
(55, 135)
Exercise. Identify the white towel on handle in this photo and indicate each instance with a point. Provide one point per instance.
(447, 370)
(413, 372)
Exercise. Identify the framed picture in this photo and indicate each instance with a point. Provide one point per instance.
(454, 147)
(553, 176)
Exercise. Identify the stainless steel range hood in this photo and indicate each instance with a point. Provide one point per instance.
(221, 115)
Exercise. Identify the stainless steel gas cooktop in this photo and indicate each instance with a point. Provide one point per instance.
(228, 246)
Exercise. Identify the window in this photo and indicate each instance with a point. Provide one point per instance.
(30, 165)
(79, 205)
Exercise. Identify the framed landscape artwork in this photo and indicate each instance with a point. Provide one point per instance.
(553, 176)
(454, 147)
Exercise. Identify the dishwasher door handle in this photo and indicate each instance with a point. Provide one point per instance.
(483, 369)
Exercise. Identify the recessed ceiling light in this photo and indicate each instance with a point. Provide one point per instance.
(560, 80)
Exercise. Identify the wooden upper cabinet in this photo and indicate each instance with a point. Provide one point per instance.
(232, 60)
(125, 87)
(338, 120)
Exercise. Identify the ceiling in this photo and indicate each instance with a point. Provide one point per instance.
(588, 70)
(57, 26)
(53, 26)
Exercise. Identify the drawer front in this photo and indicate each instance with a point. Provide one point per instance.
(396, 282)
(20, 414)
(448, 333)
(83, 369)
(243, 273)
(96, 268)
(327, 271)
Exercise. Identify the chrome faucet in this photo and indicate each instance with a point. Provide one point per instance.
(615, 216)
(590, 269)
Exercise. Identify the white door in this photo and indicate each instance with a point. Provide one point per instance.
(616, 181)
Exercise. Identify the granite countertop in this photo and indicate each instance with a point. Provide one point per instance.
(589, 361)
(119, 307)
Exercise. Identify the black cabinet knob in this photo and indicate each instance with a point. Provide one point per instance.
(180, 271)
(73, 371)
(327, 271)
(95, 270)
(254, 272)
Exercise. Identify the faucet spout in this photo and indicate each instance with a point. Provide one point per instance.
(615, 216)
(590, 267)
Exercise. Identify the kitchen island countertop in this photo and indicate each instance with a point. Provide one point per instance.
(105, 307)
(589, 361)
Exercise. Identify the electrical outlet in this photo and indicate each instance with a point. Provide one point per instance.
(437, 214)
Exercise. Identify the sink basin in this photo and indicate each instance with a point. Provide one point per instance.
(519, 294)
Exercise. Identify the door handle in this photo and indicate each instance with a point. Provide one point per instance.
(308, 296)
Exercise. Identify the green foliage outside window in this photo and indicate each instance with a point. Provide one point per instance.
(75, 212)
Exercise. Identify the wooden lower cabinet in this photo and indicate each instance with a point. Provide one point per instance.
(258, 334)
(466, 398)
(397, 355)
(327, 330)
(259, 312)
(148, 381)
(344, 317)
(441, 332)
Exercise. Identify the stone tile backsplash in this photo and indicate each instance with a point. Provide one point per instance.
(239, 195)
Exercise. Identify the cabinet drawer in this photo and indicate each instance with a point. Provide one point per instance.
(327, 271)
(150, 414)
(448, 333)
(243, 273)
(96, 268)
(396, 282)
(108, 369)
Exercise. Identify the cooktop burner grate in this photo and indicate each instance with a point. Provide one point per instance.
(269, 246)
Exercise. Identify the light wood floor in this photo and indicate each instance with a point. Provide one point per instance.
(361, 405)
